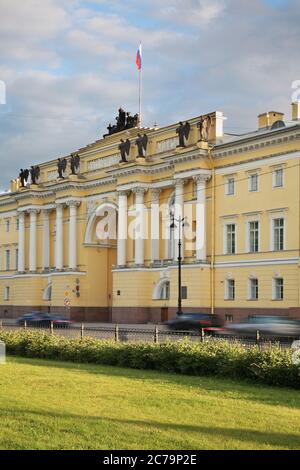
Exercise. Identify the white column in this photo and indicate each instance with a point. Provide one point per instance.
(201, 217)
(139, 226)
(46, 240)
(178, 214)
(21, 247)
(32, 240)
(122, 228)
(73, 235)
(155, 225)
(59, 238)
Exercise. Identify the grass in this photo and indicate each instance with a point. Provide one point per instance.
(55, 405)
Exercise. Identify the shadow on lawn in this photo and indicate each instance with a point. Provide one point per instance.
(229, 388)
(283, 441)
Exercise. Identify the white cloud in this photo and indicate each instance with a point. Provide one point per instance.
(196, 12)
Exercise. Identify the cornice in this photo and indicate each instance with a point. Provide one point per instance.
(256, 142)
(140, 169)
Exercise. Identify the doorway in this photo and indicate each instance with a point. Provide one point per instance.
(164, 314)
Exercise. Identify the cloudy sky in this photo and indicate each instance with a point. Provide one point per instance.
(69, 64)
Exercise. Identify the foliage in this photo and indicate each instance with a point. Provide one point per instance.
(271, 365)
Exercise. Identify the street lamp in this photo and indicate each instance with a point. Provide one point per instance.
(181, 223)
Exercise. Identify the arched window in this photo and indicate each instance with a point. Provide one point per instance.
(162, 290)
(47, 294)
(165, 291)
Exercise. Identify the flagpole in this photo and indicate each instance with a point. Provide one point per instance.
(140, 98)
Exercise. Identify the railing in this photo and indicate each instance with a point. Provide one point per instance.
(155, 334)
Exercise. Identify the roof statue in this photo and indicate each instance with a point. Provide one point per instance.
(124, 121)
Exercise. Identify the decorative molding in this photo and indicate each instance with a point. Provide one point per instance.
(256, 262)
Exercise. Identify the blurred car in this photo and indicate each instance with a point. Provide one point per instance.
(268, 325)
(194, 321)
(44, 320)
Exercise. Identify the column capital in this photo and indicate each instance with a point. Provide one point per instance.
(203, 178)
(139, 191)
(46, 210)
(123, 192)
(33, 211)
(179, 182)
(73, 203)
(155, 192)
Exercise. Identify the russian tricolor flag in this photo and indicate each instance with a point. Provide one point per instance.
(138, 59)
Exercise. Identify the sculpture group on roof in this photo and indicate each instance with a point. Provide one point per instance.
(34, 174)
(124, 121)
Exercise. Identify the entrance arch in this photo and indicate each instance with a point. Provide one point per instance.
(107, 211)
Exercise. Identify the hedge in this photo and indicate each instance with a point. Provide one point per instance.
(219, 358)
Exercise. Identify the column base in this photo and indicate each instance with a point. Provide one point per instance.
(157, 263)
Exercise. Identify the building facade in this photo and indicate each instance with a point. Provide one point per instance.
(100, 245)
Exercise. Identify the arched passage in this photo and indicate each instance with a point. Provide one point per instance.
(102, 221)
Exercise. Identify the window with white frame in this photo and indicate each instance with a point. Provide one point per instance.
(278, 234)
(7, 260)
(6, 293)
(253, 289)
(278, 288)
(230, 233)
(253, 182)
(230, 186)
(165, 291)
(278, 178)
(253, 236)
(230, 289)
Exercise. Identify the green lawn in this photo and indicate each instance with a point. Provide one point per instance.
(51, 405)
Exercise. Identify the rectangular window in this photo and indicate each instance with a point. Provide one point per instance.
(230, 186)
(6, 293)
(230, 289)
(278, 178)
(7, 260)
(253, 289)
(7, 225)
(17, 224)
(278, 288)
(16, 259)
(184, 292)
(278, 234)
(229, 318)
(230, 239)
(253, 183)
(253, 234)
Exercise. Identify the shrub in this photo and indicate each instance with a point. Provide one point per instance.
(272, 365)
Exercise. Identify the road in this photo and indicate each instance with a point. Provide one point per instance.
(140, 332)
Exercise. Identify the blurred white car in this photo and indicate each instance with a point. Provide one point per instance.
(268, 325)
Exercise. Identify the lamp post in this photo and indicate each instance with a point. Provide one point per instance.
(181, 223)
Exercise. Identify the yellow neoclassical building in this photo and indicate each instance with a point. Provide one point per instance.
(98, 242)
